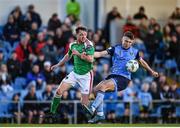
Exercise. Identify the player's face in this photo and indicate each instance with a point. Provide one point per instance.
(81, 36)
(126, 42)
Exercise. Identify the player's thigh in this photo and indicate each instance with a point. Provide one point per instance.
(85, 82)
(106, 85)
(63, 87)
(66, 83)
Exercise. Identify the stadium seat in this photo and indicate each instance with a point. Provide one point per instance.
(19, 83)
(156, 113)
(119, 109)
(4, 106)
(178, 111)
(23, 94)
(39, 94)
(135, 109)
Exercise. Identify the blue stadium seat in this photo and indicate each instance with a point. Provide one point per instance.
(156, 113)
(120, 109)
(19, 83)
(178, 111)
(4, 106)
(135, 109)
(39, 94)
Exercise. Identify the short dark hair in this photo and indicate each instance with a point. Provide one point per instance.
(129, 35)
(81, 28)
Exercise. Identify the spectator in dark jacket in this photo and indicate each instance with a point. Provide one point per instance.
(32, 109)
(54, 23)
(176, 14)
(112, 15)
(34, 15)
(141, 14)
(17, 15)
(14, 108)
(14, 66)
(50, 50)
(167, 109)
(11, 30)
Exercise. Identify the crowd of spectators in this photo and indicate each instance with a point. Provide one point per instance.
(28, 49)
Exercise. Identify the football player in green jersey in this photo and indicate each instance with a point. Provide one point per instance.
(82, 51)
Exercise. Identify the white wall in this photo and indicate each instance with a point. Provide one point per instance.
(159, 9)
(46, 8)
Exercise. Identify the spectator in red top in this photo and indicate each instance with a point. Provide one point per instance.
(23, 49)
(40, 43)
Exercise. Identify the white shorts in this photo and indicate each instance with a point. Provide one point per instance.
(85, 81)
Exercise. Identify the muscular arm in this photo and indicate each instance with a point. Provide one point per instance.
(64, 60)
(100, 54)
(61, 62)
(147, 67)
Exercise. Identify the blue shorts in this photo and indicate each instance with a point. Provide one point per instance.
(120, 82)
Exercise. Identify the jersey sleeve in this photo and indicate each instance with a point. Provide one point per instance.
(110, 50)
(138, 57)
(69, 50)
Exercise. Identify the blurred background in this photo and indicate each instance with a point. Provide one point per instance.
(35, 34)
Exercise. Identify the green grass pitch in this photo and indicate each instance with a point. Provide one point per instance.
(90, 125)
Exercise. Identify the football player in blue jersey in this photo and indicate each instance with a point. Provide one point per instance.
(119, 77)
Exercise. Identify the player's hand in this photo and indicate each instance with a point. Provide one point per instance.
(54, 66)
(83, 55)
(155, 74)
(75, 52)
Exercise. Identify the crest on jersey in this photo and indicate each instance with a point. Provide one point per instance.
(131, 53)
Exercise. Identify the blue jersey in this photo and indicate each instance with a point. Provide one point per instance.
(120, 57)
(145, 98)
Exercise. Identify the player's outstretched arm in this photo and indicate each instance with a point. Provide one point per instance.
(147, 67)
(100, 54)
(61, 62)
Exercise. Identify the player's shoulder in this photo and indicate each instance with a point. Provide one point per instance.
(118, 45)
(72, 43)
(88, 44)
(134, 49)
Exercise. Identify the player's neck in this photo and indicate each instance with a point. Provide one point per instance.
(79, 42)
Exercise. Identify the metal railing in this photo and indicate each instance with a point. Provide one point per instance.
(75, 109)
